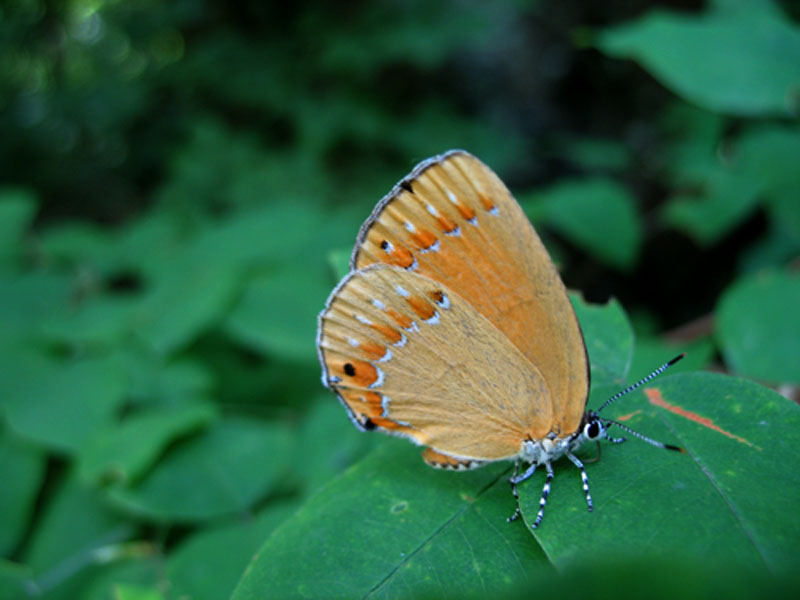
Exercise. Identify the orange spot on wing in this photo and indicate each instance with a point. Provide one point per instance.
(372, 350)
(655, 398)
(402, 257)
(421, 307)
(424, 239)
(466, 211)
(359, 373)
(486, 202)
(392, 335)
(401, 319)
(628, 416)
(446, 223)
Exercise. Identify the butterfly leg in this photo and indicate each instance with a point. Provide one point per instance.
(584, 477)
(545, 494)
(616, 440)
(516, 479)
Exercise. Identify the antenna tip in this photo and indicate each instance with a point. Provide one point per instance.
(676, 359)
(676, 448)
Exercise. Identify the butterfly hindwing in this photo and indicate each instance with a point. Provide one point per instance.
(409, 356)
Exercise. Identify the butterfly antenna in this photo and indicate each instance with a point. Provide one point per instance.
(639, 383)
(644, 438)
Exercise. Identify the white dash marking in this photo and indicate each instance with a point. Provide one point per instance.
(379, 381)
(385, 401)
(455, 232)
(452, 197)
(444, 302)
(387, 246)
(353, 342)
(434, 247)
(434, 319)
(494, 210)
(362, 319)
(402, 291)
(387, 356)
(409, 227)
(413, 266)
(473, 221)
(432, 210)
(378, 304)
(401, 342)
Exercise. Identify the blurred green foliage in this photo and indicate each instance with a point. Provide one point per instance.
(180, 184)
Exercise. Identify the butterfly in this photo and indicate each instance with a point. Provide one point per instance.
(454, 330)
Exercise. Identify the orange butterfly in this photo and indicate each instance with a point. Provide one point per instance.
(453, 329)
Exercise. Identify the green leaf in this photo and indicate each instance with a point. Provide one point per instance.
(758, 326)
(208, 564)
(17, 209)
(278, 312)
(406, 526)
(609, 339)
(23, 467)
(187, 299)
(646, 499)
(227, 468)
(652, 352)
(126, 591)
(330, 442)
(597, 215)
(77, 528)
(123, 452)
(767, 155)
(727, 199)
(13, 580)
(740, 62)
(61, 404)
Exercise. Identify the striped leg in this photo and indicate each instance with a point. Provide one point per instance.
(515, 479)
(545, 493)
(513, 483)
(584, 477)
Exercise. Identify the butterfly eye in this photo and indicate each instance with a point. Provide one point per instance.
(593, 430)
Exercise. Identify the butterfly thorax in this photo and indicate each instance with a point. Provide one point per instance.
(553, 447)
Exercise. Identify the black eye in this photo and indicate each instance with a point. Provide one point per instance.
(593, 430)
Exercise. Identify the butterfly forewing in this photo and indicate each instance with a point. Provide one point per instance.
(454, 221)
(407, 355)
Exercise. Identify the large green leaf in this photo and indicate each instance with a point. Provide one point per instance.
(17, 209)
(387, 527)
(23, 467)
(221, 471)
(646, 499)
(758, 326)
(741, 61)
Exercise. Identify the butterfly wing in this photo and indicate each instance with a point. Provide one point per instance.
(407, 355)
(453, 220)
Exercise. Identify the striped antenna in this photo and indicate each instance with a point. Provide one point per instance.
(642, 381)
(650, 441)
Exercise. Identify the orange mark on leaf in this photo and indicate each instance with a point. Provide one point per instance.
(655, 398)
(421, 307)
(628, 416)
